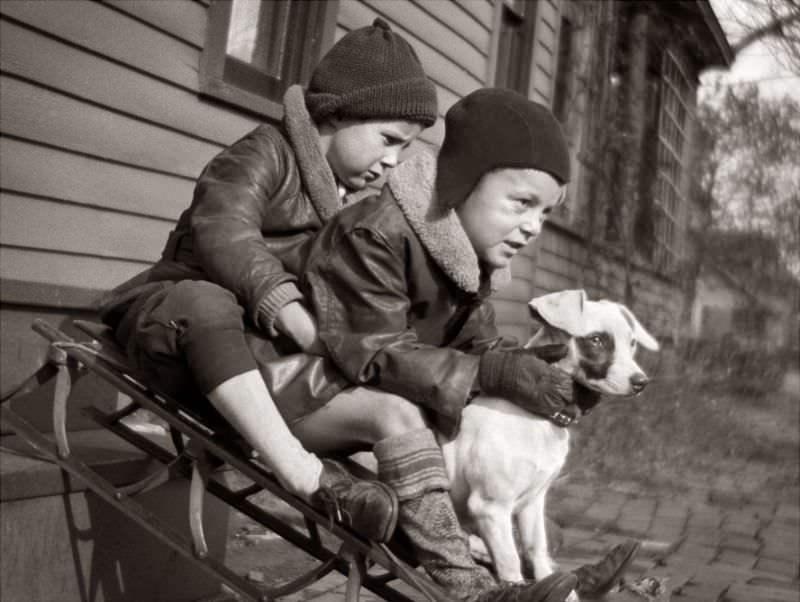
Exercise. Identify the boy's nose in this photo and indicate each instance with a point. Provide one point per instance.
(390, 159)
(531, 227)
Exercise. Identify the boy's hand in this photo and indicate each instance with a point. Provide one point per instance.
(294, 321)
(526, 381)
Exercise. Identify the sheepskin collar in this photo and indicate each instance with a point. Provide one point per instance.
(314, 169)
(412, 185)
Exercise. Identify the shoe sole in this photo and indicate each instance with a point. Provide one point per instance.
(390, 528)
(614, 579)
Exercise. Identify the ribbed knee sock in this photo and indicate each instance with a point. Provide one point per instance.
(412, 464)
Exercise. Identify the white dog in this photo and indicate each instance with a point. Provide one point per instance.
(504, 458)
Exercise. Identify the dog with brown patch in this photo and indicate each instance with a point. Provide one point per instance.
(504, 458)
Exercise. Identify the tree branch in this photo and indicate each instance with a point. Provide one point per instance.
(773, 28)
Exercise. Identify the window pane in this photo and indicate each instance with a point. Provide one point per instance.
(256, 49)
(672, 122)
(258, 34)
(515, 46)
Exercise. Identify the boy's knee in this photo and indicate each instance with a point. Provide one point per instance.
(197, 300)
(396, 415)
(193, 328)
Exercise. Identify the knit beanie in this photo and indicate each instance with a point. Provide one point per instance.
(371, 73)
(494, 128)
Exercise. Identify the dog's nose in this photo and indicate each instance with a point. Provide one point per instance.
(639, 382)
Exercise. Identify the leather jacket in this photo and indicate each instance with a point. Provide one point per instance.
(400, 298)
(255, 208)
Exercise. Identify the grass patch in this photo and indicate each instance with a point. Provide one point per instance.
(689, 428)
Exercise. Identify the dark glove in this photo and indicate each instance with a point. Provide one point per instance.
(526, 381)
(585, 398)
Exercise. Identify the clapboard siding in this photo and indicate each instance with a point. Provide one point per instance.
(460, 21)
(111, 34)
(53, 173)
(544, 52)
(63, 269)
(104, 134)
(184, 19)
(79, 230)
(44, 60)
(439, 36)
(480, 10)
(518, 290)
(41, 115)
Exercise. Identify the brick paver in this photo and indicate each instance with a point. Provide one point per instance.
(711, 544)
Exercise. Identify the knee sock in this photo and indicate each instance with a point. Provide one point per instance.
(246, 403)
(412, 464)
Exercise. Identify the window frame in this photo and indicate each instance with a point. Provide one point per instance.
(526, 12)
(563, 81)
(676, 113)
(214, 59)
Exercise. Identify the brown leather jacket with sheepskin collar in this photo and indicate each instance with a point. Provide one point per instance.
(399, 295)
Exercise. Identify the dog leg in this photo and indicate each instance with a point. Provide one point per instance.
(532, 531)
(495, 527)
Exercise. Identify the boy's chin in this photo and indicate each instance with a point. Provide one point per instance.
(496, 263)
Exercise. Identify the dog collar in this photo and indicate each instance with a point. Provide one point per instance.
(567, 417)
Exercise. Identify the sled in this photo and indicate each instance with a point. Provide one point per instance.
(198, 448)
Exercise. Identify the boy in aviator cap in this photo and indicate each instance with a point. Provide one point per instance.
(220, 317)
(400, 286)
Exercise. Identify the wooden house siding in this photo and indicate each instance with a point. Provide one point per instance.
(103, 135)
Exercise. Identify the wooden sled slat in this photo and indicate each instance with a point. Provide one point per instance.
(102, 357)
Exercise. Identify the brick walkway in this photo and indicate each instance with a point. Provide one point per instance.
(715, 544)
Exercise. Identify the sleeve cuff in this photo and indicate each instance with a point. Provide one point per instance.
(273, 302)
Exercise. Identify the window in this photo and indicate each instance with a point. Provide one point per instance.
(668, 199)
(515, 45)
(563, 71)
(255, 50)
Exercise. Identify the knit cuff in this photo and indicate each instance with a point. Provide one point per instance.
(412, 464)
(273, 302)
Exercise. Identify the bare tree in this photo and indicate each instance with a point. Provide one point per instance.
(776, 23)
(750, 167)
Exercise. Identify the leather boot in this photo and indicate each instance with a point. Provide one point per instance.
(554, 588)
(367, 507)
(596, 580)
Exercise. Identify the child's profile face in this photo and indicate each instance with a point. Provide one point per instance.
(506, 210)
(360, 150)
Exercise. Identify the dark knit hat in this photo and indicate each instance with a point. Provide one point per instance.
(372, 73)
(493, 128)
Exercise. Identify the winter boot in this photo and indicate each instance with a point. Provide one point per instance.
(554, 588)
(596, 580)
(367, 507)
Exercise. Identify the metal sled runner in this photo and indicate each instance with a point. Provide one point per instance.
(198, 449)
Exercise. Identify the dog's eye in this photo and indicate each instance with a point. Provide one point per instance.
(596, 339)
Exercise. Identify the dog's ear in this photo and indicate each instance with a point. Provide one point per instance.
(562, 310)
(644, 338)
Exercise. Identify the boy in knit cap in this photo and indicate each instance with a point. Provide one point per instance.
(220, 317)
(400, 286)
